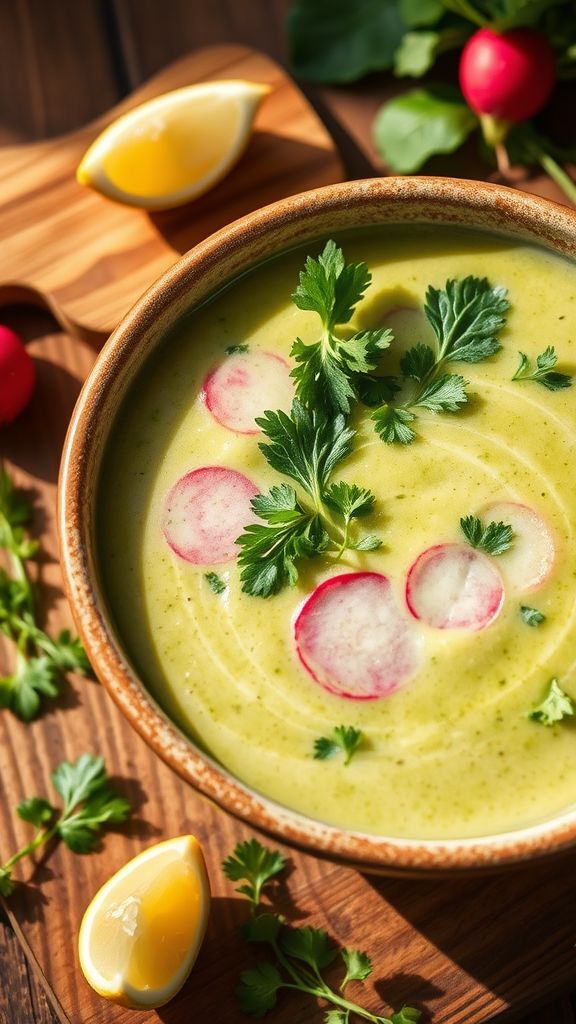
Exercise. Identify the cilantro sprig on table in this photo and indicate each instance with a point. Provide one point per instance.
(40, 661)
(327, 370)
(466, 317)
(344, 739)
(300, 955)
(89, 806)
(306, 447)
(543, 372)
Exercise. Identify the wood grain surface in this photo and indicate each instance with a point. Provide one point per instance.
(465, 951)
(89, 258)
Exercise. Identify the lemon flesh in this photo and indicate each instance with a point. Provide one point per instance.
(175, 147)
(142, 932)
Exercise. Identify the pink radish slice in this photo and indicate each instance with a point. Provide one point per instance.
(205, 512)
(452, 586)
(244, 386)
(353, 639)
(409, 326)
(528, 563)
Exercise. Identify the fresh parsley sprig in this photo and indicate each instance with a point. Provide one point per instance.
(543, 372)
(40, 661)
(555, 706)
(344, 739)
(89, 806)
(305, 446)
(493, 538)
(326, 371)
(300, 954)
(466, 317)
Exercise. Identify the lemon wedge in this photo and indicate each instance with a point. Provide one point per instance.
(142, 932)
(174, 147)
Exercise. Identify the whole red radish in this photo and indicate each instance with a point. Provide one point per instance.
(506, 77)
(17, 376)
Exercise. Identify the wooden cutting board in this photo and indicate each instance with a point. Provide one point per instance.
(465, 951)
(87, 258)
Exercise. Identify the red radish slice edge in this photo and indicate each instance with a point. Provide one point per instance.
(205, 512)
(529, 561)
(244, 385)
(354, 640)
(452, 586)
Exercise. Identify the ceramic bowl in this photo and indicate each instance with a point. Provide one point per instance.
(198, 274)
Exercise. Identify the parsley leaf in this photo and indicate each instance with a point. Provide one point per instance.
(531, 616)
(555, 706)
(344, 739)
(300, 954)
(256, 865)
(465, 317)
(494, 539)
(40, 660)
(358, 966)
(305, 446)
(90, 804)
(257, 989)
(326, 370)
(543, 372)
(233, 350)
(215, 582)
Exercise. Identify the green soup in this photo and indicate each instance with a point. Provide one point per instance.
(451, 752)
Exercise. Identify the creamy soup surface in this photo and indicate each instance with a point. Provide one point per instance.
(452, 752)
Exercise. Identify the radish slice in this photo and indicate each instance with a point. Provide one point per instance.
(528, 563)
(244, 386)
(353, 639)
(409, 326)
(205, 512)
(452, 586)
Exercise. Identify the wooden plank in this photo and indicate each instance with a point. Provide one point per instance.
(149, 42)
(88, 258)
(56, 72)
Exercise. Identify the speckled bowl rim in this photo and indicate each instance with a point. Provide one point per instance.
(219, 258)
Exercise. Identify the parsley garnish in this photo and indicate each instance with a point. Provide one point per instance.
(555, 706)
(233, 350)
(256, 864)
(215, 582)
(543, 372)
(89, 805)
(40, 661)
(494, 538)
(344, 739)
(305, 446)
(300, 954)
(327, 369)
(466, 318)
(531, 616)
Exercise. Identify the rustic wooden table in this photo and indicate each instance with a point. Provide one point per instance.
(63, 63)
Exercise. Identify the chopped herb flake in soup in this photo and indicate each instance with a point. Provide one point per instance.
(334, 496)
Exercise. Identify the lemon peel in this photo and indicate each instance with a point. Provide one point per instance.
(142, 932)
(173, 148)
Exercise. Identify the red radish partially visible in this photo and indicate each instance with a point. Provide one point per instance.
(409, 326)
(353, 639)
(17, 376)
(452, 586)
(506, 77)
(244, 386)
(205, 512)
(528, 563)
